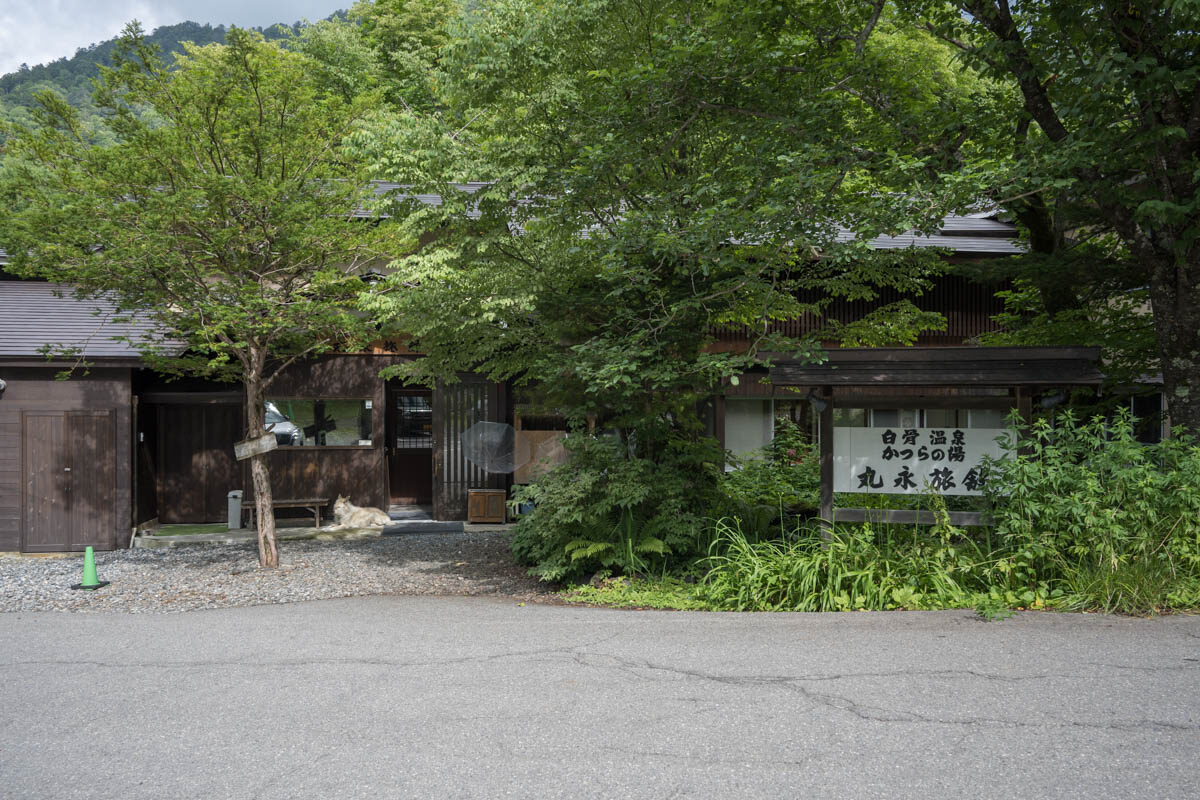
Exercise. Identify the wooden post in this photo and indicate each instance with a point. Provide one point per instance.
(825, 432)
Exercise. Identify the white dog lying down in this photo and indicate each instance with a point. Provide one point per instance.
(347, 515)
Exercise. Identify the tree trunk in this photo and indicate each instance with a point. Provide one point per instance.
(1175, 301)
(260, 476)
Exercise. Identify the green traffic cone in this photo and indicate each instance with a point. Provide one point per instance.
(90, 581)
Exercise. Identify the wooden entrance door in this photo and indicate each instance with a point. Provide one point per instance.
(410, 445)
(69, 460)
(455, 409)
(197, 468)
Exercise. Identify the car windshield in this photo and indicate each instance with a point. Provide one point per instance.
(274, 414)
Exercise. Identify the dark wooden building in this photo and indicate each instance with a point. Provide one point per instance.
(66, 479)
(85, 461)
(746, 415)
(341, 430)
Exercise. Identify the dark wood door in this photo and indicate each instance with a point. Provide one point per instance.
(410, 445)
(196, 465)
(71, 480)
(455, 409)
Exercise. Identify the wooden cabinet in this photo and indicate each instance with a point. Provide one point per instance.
(486, 505)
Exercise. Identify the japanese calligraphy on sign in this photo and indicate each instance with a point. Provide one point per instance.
(913, 460)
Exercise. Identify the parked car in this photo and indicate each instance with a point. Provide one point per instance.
(286, 432)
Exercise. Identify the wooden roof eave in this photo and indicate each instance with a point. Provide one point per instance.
(945, 366)
(89, 362)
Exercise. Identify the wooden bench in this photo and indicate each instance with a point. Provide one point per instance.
(313, 504)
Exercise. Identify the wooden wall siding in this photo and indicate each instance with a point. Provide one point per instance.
(145, 463)
(967, 306)
(34, 389)
(10, 481)
(358, 473)
(195, 457)
(455, 409)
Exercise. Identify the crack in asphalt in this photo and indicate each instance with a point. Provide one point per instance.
(583, 655)
(880, 714)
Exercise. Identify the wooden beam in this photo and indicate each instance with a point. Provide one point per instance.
(944, 366)
(908, 516)
(851, 400)
(192, 398)
(825, 434)
(964, 354)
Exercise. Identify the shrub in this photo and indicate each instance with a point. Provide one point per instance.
(786, 473)
(1109, 523)
(605, 509)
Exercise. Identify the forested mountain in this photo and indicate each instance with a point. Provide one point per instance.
(71, 77)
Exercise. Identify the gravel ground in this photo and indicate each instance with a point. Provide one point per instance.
(221, 576)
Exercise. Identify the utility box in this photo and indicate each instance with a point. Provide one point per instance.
(486, 505)
(234, 500)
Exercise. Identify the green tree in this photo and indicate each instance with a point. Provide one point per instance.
(649, 172)
(225, 212)
(653, 171)
(407, 37)
(1101, 158)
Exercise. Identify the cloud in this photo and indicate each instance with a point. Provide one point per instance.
(44, 30)
(39, 31)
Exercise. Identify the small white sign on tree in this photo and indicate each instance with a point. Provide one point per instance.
(248, 448)
(914, 460)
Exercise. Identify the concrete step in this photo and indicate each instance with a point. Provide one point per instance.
(411, 513)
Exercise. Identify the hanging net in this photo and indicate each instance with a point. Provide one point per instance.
(495, 447)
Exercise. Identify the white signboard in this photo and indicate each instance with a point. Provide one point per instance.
(248, 448)
(914, 460)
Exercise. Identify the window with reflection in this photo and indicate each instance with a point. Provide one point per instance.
(325, 422)
(414, 421)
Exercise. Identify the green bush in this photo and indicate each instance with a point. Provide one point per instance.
(1107, 522)
(786, 473)
(605, 509)
(1085, 518)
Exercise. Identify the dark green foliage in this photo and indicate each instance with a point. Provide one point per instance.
(1104, 521)
(1086, 519)
(855, 569)
(607, 510)
(782, 479)
(1099, 161)
(787, 470)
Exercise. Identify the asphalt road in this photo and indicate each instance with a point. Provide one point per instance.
(391, 697)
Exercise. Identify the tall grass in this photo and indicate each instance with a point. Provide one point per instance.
(1106, 522)
(1087, 519)
(855, 569)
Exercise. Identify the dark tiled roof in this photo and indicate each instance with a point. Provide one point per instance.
(36, 315)
(401, 192)
(959, 234)
(976, 233)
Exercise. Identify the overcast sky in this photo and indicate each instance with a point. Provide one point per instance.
(38, 31)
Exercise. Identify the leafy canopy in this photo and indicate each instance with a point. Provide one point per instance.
(652, 171)
(224, 210)
(1100, 161)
